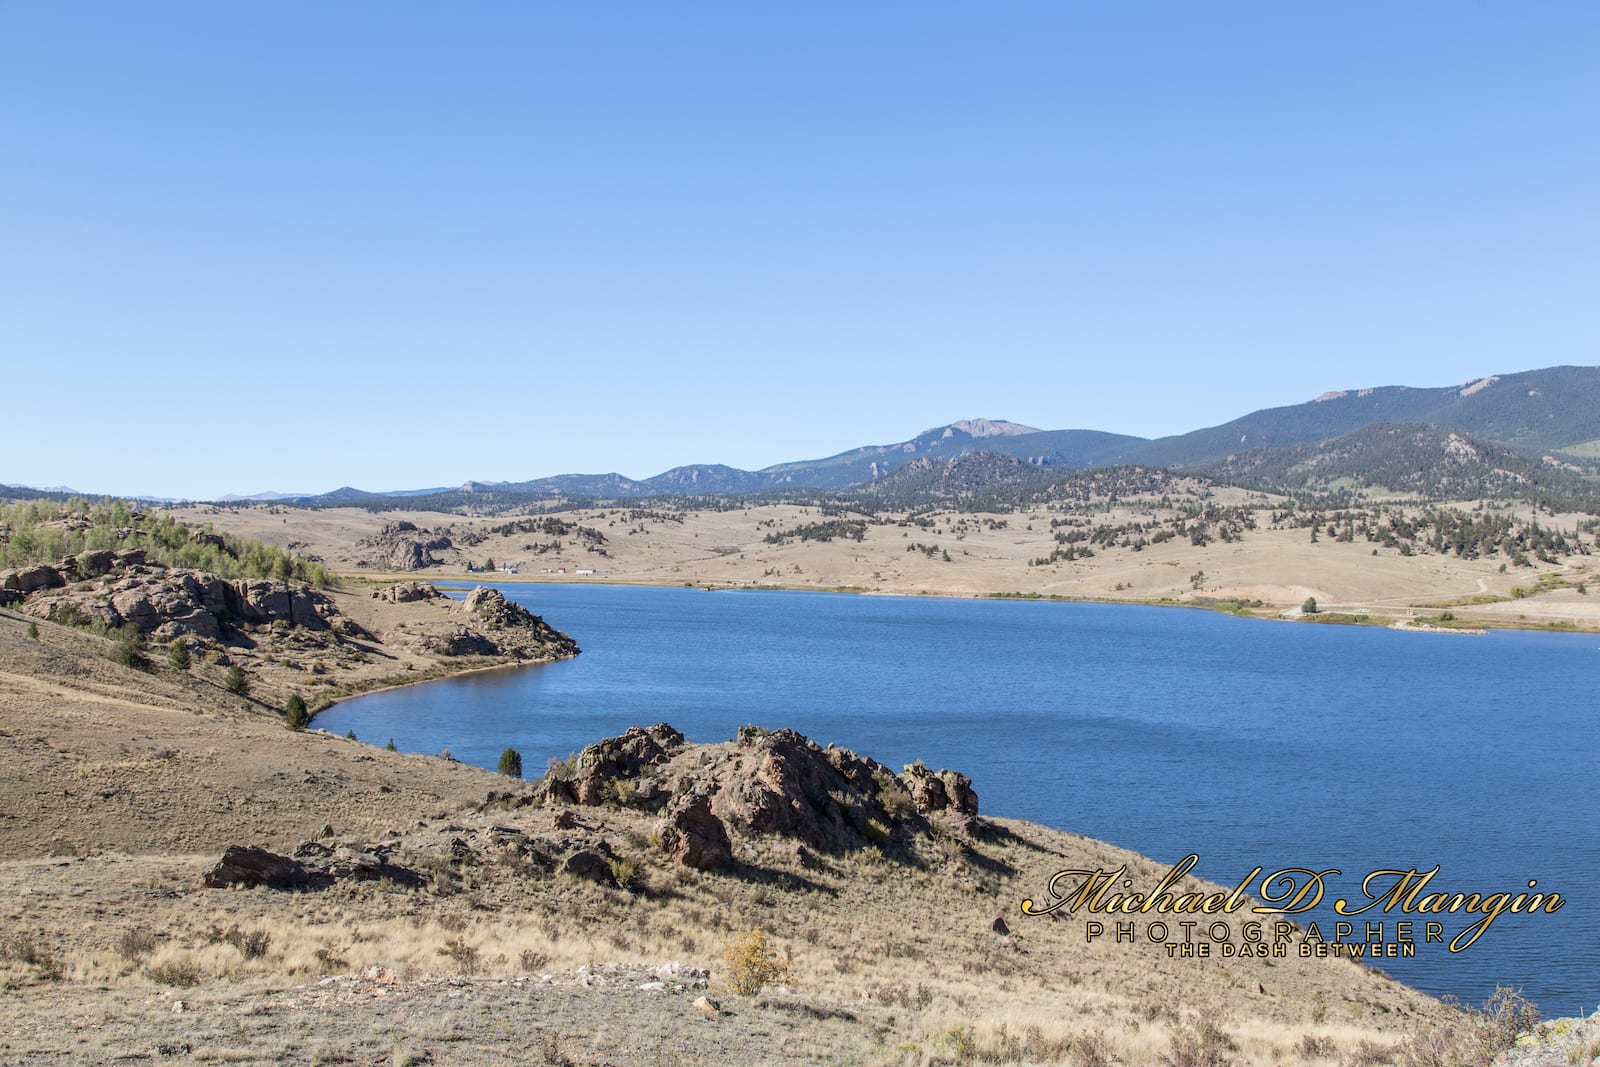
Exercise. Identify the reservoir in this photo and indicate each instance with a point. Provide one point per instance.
(1247, 742)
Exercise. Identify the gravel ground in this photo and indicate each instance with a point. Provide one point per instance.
(605, 1015)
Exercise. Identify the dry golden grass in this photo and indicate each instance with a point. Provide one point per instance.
(1281, 568)
(904, 942)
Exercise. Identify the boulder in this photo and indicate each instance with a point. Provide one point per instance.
(86, 565)
(958, 788)
(32, 579)
(692, 836)
(933, 791)
(466, 642)
(926, 789)
(590, 866)
(407, 592)
(769, 783)
(72, 609)
(264, 600)
(246, 865)
(554, 790)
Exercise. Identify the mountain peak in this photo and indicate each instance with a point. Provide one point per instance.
(991, 428)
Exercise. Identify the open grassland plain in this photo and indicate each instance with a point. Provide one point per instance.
(1460, 566)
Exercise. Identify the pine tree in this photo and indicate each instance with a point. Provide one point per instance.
(295, 716)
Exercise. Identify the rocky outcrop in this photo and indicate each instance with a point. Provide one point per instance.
(485, 624)
(313, 865)
(407, 593)
(490, 607)
(516, 630)
(764, 784)
(401, 546)
(933, 791)
(788, 785)
(168, 603)
(604, 766)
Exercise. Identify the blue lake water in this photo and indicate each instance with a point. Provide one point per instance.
(1166, 731)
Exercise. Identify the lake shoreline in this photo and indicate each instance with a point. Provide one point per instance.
(802, 662)
(1409, 623)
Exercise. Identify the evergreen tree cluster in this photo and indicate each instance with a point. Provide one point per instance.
(45, 531)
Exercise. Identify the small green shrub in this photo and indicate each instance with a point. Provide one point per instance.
(295, 716)
(33, 631)
(127, 647)
(620, 791)
(1310, 606)
(178, 654)
(624, 872)
(236, 681)
(894, 798)
(511, 763)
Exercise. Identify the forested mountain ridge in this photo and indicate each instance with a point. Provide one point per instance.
(1416, 458)
(1557, 408)
(1550, 418)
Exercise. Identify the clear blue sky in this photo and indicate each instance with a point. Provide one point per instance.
(297, 245)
